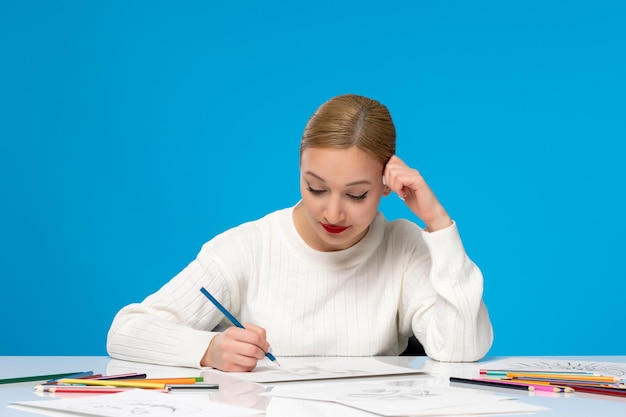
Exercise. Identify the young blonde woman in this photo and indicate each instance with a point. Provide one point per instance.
(329, 276)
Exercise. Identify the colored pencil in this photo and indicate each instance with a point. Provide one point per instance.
(618, 387)
(94, 376)
(548, 388)
(232, 318)
(80, 375)
(569, 377)
(564, 381)
(533, 383)
(177, 387)
(501, 372)
(132, 375)
(594, 378)
(618, 392)
(35, 378)
(165, 380)
(509, 385)
(112, 383)
(84, 389)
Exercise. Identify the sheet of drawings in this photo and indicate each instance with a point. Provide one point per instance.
(546, 364)
(397, 400)
(136, 402)
(344, 368)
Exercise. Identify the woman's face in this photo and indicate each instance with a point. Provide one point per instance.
(341, 189)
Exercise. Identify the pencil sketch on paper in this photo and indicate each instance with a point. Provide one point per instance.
(532, 364)
(138, 403)
(135, 408)
(358, 367)
(384, 399)
(385, 394)
(309, 371)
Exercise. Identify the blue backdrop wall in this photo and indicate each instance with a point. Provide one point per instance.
(132, 132)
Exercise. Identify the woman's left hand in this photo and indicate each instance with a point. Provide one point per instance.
(409, 184)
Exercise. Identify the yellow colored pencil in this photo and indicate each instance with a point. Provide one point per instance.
(112, 383)
(522, 380)
(170, 381)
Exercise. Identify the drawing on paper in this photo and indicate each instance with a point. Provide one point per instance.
(135, 408)
(606, 368)
(316, 370)
(385, 394)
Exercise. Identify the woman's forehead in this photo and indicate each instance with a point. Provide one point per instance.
(344, 165)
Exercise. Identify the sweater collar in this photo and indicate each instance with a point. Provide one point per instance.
(345, 258)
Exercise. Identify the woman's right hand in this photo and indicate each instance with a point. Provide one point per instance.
(236, 349)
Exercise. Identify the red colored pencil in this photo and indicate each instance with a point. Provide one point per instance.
(603, 391)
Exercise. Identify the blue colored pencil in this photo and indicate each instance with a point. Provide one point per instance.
(85, 374)
(232, 318)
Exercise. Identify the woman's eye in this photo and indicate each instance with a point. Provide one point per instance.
(314, 191)
(358, 197)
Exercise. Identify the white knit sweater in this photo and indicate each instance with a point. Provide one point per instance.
(363, 301)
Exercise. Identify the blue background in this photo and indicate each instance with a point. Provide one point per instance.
(132, 132)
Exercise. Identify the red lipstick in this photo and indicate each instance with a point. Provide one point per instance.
(333, 229)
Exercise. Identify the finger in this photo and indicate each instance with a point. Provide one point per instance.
(249, 342)
(394, 168)
(397, 181)
(245, 336)
(223, 353)
(238, 351)
(261, 334)
(402, 178)
(395, 159)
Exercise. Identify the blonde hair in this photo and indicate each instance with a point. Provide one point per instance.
(351, 120)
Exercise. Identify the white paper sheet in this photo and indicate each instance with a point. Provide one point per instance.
(527, 364)
(396, 400)
(136, 402)
(344, 368)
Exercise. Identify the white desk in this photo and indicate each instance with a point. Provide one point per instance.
(244, 393)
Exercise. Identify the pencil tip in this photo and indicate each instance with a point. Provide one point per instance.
(276, 362)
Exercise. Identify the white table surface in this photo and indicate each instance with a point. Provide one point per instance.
(243, 393)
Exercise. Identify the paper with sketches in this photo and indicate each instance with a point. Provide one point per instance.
(527, 364)
(136, 402)
(397, 400)
(306, 408)
(344, 368)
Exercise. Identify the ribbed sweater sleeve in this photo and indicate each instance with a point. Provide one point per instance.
(449, 316)
(174, 326)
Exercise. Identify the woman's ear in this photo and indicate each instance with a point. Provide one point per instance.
(386, 189)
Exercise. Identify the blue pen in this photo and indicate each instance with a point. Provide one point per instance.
(232, 318)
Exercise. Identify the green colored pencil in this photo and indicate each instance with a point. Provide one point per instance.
(37, 378)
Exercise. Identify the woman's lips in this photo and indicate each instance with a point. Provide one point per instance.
(333, 229)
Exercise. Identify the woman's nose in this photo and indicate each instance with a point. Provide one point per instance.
(334, 210)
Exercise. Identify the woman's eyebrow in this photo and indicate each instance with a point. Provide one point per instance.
(347, 185)
(315, 175)
(358, 182)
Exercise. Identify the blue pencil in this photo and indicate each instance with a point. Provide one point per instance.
(232, 318)
(76, 375)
